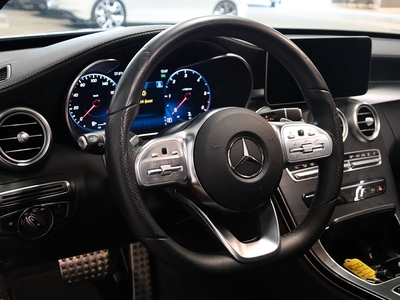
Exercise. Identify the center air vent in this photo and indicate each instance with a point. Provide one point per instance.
(343, 124)
(25, 137)
(367, 122)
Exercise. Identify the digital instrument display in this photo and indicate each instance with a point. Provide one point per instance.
(167, 98)
(186, 95)
(172, 99)
(89, 101)
(174, 92)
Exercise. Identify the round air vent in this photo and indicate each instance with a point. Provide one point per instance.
(25, 137)
(343, 124)
(367, 122)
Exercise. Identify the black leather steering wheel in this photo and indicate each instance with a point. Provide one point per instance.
(247, 153)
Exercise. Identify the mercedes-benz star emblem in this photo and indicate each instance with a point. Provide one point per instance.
(246, 157)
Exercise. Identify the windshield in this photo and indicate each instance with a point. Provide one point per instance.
(22, 17)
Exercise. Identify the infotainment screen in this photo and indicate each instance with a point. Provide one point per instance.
(344, 62)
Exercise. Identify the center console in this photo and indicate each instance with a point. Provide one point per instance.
(364, 227)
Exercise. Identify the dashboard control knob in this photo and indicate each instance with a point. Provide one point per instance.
(35, 222)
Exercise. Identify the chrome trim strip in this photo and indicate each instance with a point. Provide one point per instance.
(20, 124)
(345, 124)
(37, 186)
(348, 166)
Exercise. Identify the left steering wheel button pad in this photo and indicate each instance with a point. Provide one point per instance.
(162, 162)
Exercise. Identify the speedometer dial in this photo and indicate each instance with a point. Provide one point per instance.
(186, 95)
(89, 101)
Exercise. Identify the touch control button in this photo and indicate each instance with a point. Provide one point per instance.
(307, 148)
(295, 150)
(164, 170)
(154, 171)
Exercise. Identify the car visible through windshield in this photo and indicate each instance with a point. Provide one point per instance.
(112, 13)
(60, 15)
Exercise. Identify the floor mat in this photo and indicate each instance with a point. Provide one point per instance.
(51, 286)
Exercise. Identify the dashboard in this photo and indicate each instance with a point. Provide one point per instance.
(62, 95)
(53, 94)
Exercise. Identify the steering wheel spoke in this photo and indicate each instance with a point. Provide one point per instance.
(302, 142)
(265, 245)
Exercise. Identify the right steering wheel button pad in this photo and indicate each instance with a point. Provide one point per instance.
(303, 142)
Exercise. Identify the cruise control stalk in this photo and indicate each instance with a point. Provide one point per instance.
(92, 142)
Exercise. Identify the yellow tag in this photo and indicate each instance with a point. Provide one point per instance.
(359, 268)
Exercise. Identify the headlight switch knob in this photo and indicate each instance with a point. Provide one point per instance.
(35, 222)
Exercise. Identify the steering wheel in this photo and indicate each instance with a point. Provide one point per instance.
(227, 160)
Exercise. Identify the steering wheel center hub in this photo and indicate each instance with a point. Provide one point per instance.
(246, 157)
(240, 164)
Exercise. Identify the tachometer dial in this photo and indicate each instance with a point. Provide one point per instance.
(89, 101)
(186, 95)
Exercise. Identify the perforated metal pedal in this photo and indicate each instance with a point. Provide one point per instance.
(140, 265)
(90, 266)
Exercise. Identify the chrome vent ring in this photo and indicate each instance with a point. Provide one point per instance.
(367, 123)
(25, 137)
(343, 124)
(5, 73)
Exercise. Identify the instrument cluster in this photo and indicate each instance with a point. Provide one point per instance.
(172, 94)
